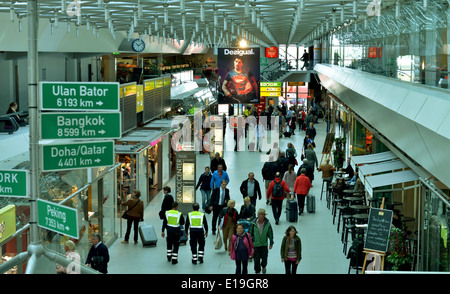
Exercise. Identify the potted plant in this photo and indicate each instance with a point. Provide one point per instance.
(398, 255)
(339, 152)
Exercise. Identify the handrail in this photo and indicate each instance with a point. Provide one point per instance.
(10, 121)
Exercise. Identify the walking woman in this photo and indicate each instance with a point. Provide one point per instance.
(241, 249)
(230, 217)
(134, 215)
(291, 250)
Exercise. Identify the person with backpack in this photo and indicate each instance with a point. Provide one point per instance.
(277, 191)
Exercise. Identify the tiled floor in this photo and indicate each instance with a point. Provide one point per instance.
(321, 244)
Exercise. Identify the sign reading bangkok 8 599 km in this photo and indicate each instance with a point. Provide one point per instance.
(79, 96)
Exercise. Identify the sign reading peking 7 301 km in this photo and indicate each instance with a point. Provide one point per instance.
(79, 96)
(77, 155)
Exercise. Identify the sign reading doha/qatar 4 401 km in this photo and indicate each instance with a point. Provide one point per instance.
(77, 155)
(79, 96)
(57, 218)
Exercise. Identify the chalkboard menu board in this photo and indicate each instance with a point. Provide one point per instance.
(378, 229)
(328, 143)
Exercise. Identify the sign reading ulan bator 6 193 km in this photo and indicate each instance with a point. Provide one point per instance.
(79, 96)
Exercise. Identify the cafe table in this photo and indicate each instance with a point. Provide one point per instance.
(359, 207)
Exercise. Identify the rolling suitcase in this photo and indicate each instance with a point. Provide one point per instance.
(148, 235)
(183, 237)
(291, 211)
(287, 134)
(311, 203)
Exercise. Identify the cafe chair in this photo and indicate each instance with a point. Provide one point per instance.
(327, 183)
(356, 255)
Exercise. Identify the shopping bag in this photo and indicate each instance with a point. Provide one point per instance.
(218, 242)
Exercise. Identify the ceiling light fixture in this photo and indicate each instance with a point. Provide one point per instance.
(243, 43)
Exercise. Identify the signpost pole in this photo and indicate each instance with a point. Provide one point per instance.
(33, 116)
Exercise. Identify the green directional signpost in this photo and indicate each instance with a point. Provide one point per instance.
(57, 218)
(81, 125)
(77, 155)
(14, 183)
(79, 96)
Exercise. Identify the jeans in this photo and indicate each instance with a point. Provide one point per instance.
(291, 267)
(131, 222)
(301, 202)
(206, 195)
(277, 205)
(260, 258)
(244, 264)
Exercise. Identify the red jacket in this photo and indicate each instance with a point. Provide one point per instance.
(272, 185)
(302, 185)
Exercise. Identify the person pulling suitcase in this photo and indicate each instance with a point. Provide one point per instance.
(301, 188)
(196, 220)
(172, 222)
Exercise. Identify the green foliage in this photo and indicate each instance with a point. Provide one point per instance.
(398, 251)
(339, 152)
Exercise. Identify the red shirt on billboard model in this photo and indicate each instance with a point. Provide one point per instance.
(241, 81)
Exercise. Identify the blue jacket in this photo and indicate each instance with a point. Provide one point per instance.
(216, 179)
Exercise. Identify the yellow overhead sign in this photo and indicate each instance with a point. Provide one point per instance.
(270, 94)
(270, 89)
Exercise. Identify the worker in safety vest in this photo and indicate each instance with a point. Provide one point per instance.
(172, 222)
(197, 221)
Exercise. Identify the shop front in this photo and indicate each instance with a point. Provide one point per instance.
(168, 126)
(91, 192)
(140, 155)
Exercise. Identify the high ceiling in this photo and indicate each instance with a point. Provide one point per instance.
(278, 21)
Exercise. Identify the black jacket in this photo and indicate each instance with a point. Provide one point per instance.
(98, 258)
(215, 197)
(204, 181)
(244, 188)
(166, 205)
(215, 163)
(269, 170)
(283, 165)
(309, 171)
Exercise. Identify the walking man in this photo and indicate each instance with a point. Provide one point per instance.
(218, 176)
(262, 237)
(199, 230)
(172, 222)
(277, 190)
(219, 199)
(250, 187)
(204, 182)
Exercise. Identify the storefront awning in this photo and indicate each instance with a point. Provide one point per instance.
(376, 168)
(138, 141)
(372, 182)
(372, 158)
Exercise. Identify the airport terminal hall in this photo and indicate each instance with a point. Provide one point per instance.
(225, 144)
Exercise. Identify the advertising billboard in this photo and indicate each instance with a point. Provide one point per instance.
(239, 75)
